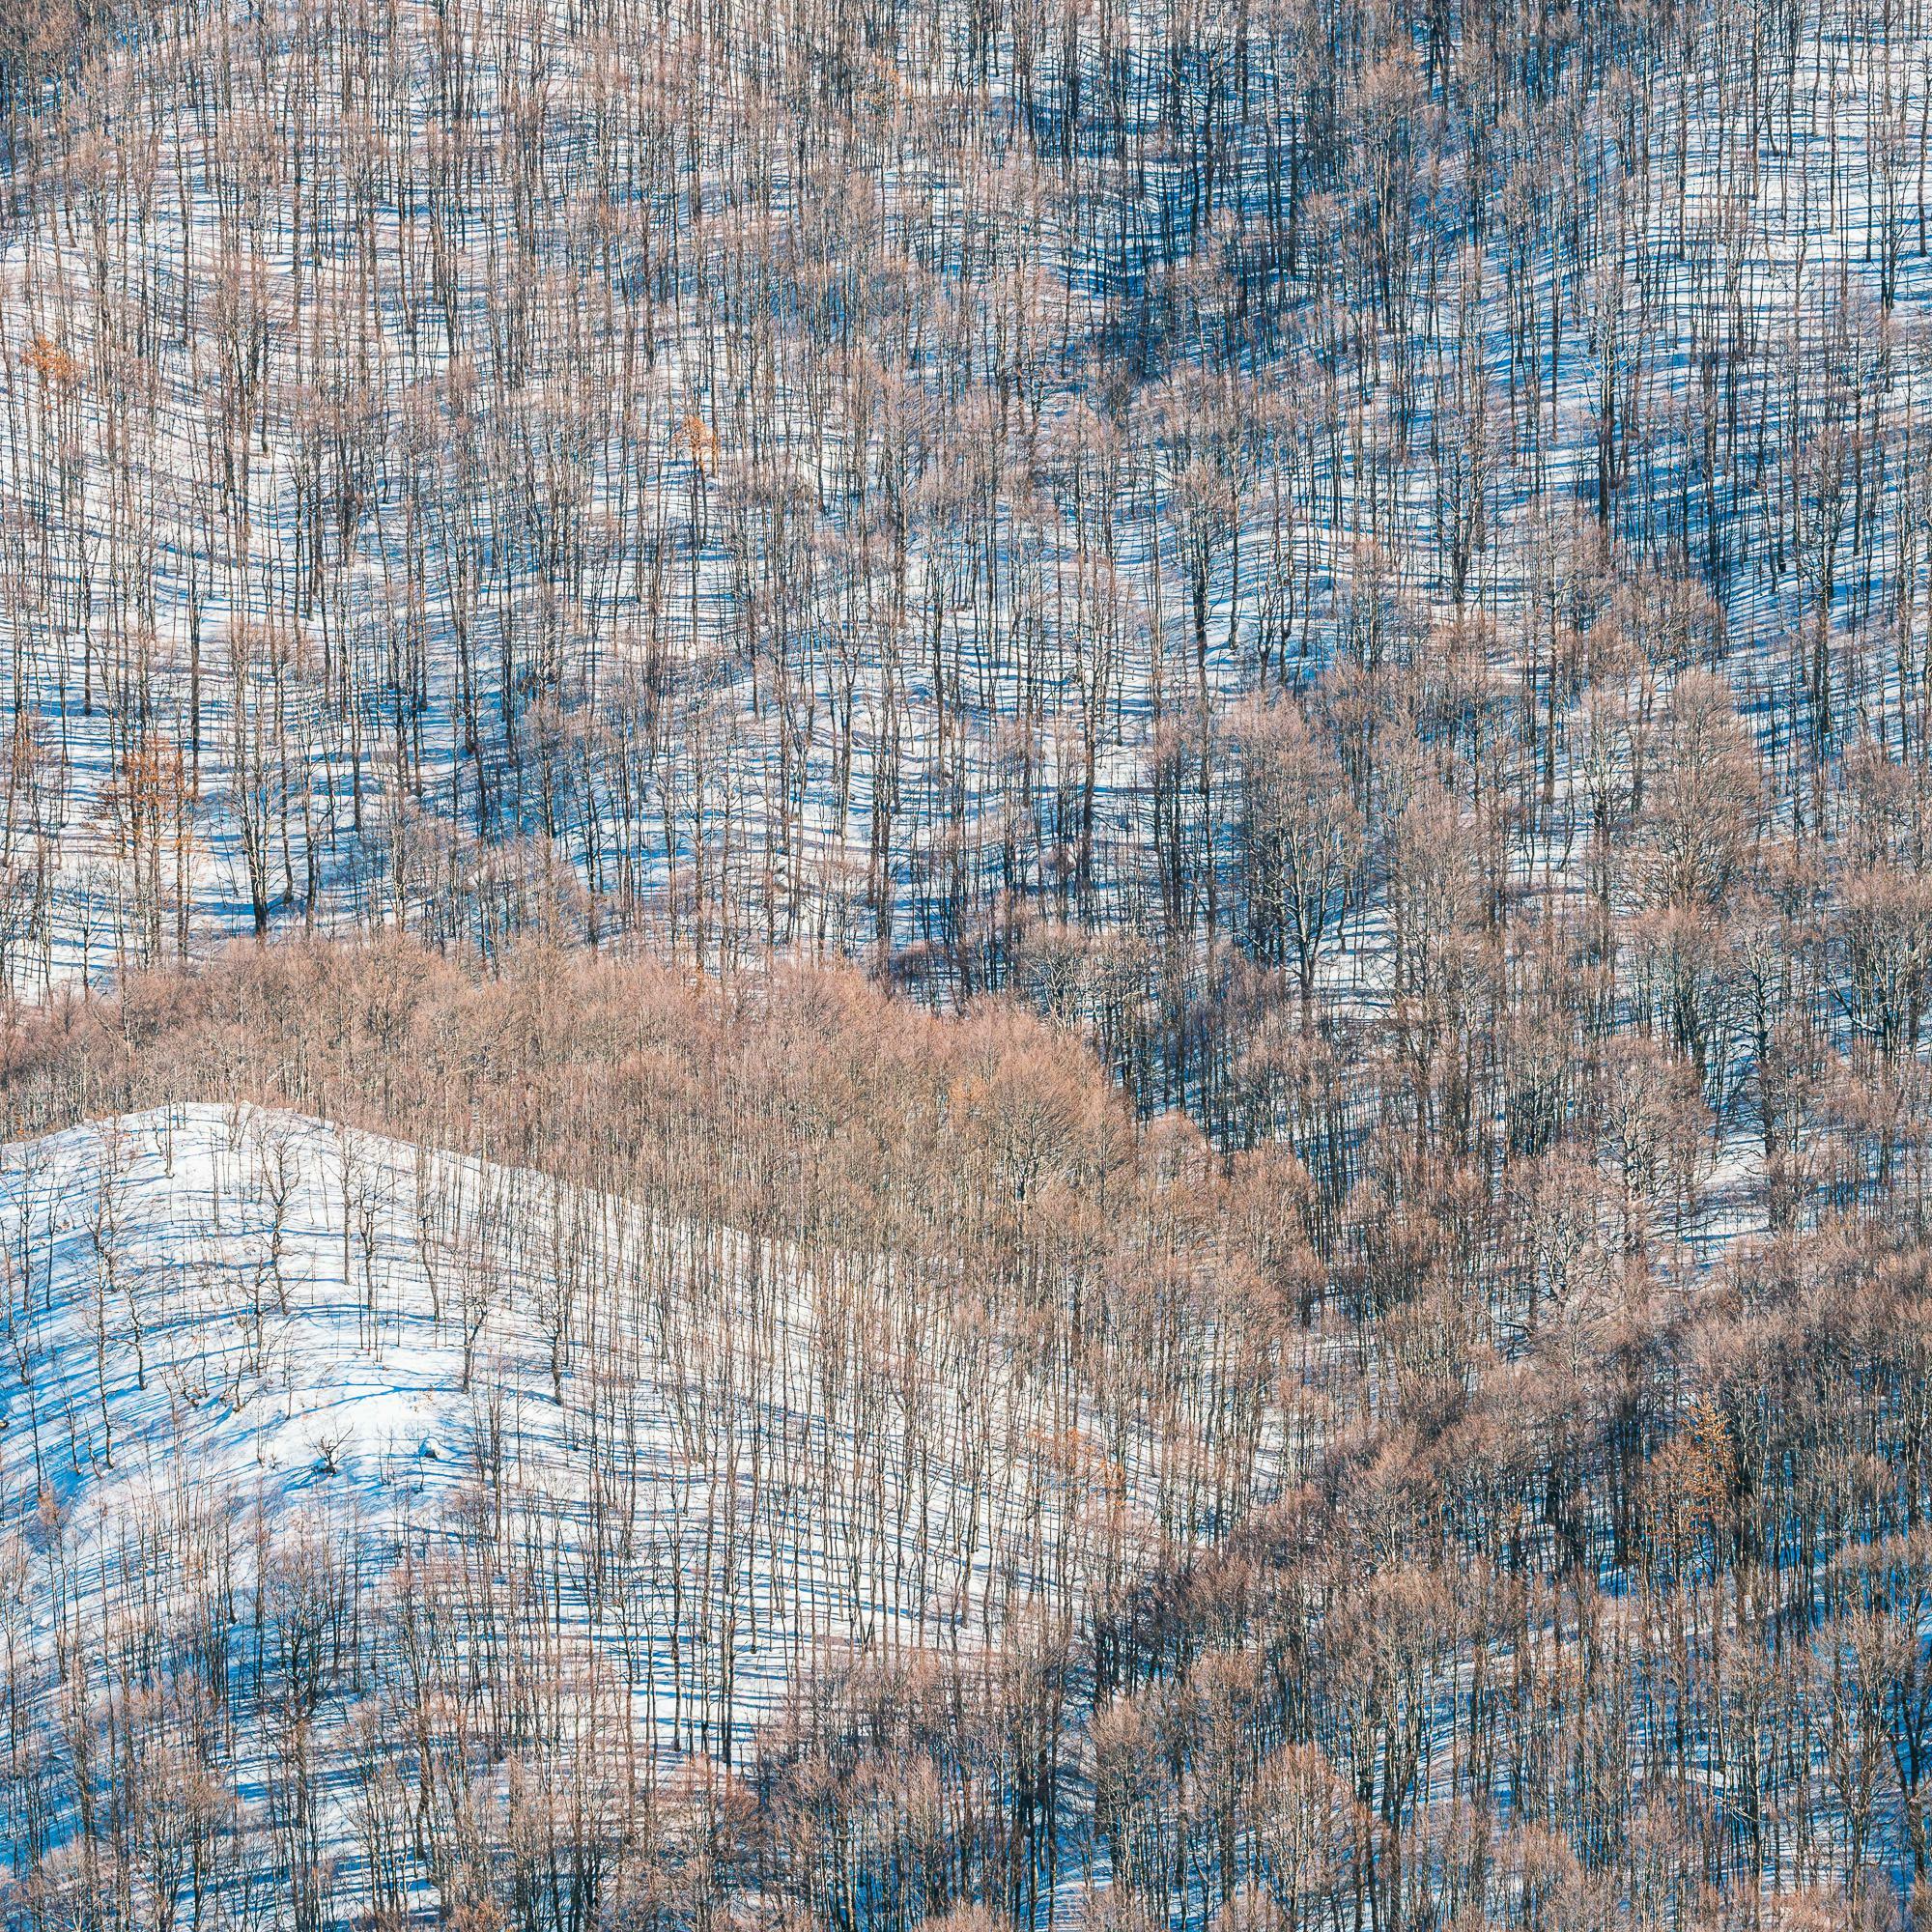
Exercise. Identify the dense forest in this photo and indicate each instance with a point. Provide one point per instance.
(965, 961)
(1179, 1549)
(946, 486)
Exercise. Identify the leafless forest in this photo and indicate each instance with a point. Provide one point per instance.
(965, 961)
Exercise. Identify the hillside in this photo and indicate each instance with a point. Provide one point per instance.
(966, 964)
(277, 1390)
(888, 1480)
(752, 481)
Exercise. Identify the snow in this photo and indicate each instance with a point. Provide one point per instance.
(231, 1331)
(237, 1344)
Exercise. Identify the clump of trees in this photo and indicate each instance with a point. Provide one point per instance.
(42, 44)
(1367, 567)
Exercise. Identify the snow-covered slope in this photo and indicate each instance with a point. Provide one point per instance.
(249, 1304)
(233, 1334)
(243, 1294)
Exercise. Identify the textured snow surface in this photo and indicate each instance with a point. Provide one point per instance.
(234, 1332)
(268, 1316)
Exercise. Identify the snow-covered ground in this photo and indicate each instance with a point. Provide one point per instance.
(242, 1343)
(236, 1297)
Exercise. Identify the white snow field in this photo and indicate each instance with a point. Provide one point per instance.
(265, 1376)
